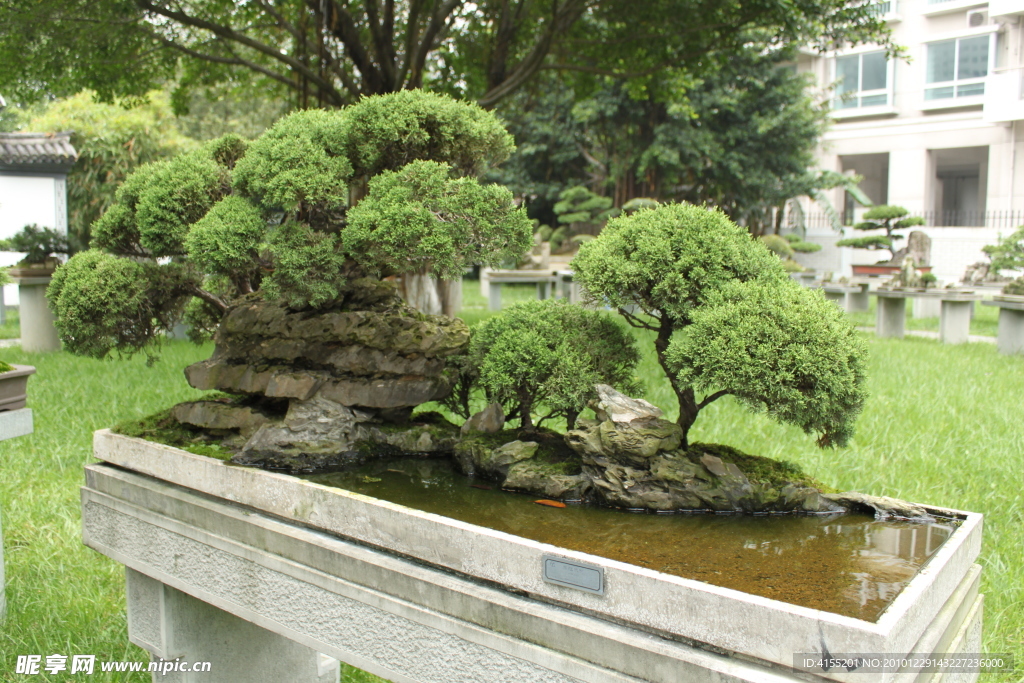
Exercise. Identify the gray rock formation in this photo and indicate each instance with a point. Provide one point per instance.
(617, 407)
(882, 507)
(340, 372)
(490, 420)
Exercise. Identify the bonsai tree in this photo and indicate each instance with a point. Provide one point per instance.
(727, 320)
(581, 213)
(1008, 254)
(883, 217)
(39, 244)
(549, 353)
(277, 218)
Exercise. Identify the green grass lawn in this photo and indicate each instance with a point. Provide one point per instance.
(943, 426)
(10, 328)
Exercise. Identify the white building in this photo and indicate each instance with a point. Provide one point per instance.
(941, 134)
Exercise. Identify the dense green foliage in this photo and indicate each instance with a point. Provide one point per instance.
(1008, 253)
(741, 137)
(332, 53)
(111, 140)
(707, 290)
(231, 218)
(780, 349)
(883, 217)
(550, 354)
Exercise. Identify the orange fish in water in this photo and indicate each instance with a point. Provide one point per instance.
(550, 503)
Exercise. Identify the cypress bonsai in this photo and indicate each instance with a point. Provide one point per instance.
(727, 319)
(319, 201)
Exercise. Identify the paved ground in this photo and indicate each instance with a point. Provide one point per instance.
(974, 338)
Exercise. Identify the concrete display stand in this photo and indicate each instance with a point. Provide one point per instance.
(1010, 335)
(13, 423)
(243, 568)
(955, 315)
(850, 298)
(891, 313)
(545, 281)
(926, 307)
(38, 332)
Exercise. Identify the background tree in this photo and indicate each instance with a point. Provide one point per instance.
(740, 137)
(703, 286)
(550, 354)
(329, 53)
(272, 217)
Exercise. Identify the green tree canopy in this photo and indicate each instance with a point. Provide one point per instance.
(550, 354)
(111, 141)
(231, 219)
(741, 137)
(710, 292)
(331, 53)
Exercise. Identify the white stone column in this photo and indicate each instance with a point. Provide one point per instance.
(176, 627)
(38, 332)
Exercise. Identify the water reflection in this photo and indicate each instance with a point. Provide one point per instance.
(851, 565)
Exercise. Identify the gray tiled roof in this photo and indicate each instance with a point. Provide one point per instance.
(36, 150)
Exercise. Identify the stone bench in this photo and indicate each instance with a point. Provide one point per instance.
(1010, 337)
(954, 315)
(544, 279)
(849, 297)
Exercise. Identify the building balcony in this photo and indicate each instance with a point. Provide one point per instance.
(1003, 100)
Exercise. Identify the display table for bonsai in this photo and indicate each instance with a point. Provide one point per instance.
(544, 279)
(1010, 335)
(273, 578)
(849, 297)
(954, 315)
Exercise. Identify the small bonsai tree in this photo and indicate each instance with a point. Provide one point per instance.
(581, 214)
(787, 247)
(884, 217)
(727, 319)
(39, 244)
(548, 354)
(273, 218)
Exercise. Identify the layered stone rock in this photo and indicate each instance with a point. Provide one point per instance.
(367, 361)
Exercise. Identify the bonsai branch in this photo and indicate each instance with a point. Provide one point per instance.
(210, 298)
(712, 397)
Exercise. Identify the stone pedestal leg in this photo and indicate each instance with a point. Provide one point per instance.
(858, 301)
(926, 307)
(176, 627)
(838, 298)
(1010, 340)
(891, 317)
(494, 296)
(37, 330)
(955, 321)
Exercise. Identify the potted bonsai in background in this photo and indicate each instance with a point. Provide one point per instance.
(13, 378)
(42, 246)
(890, 219)
(1008, 254)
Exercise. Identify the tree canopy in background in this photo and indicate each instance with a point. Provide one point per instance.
(329, 53)
(741, 137)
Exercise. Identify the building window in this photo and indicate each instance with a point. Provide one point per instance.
(957, 68)
(862, 80)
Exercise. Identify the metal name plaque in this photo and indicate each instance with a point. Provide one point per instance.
(585, 577)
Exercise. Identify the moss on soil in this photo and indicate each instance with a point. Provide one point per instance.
(776, 473)
(163, 428)
(552, 454)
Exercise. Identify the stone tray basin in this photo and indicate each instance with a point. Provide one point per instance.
(147, 502)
